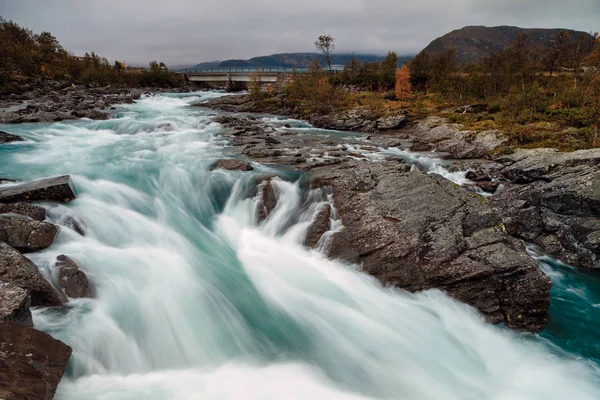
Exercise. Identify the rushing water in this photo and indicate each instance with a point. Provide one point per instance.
(194, 301)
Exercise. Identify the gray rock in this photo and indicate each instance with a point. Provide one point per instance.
(6, 137)
(419, 231)
(27, 235)
(319, 226)
(448, 138)
(29, 210)
(31, 363)
(72, 279)
(14, 305)
(231, 165)
(393, 121)
(21, 272)
(267, 199)
(53, 189)
(556, 203)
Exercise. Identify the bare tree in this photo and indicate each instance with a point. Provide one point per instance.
(325, 44)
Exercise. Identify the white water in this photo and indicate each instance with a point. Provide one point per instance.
(194, 301)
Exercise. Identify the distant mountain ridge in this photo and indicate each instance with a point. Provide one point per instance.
(473, 43)
(288, 60)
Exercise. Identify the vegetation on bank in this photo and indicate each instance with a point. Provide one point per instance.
(541, 96)
(26, 57)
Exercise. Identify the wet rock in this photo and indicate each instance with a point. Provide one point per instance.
(76, 224)
(260, 152)
(9, 137)
(97, 115)
(267, 200)
(319, 226)
(31, 363)
(554, 202)
(53, 189)
(27, 235)
(72, 279)
(231, 165)
(419, 231)
(29, 210)
(21, 272)
(14, 305)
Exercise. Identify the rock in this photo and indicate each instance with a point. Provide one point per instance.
(31, 363)
(260, 152)
(29, 210)
(14, 305)
(393, 121)
(419, 231)
(267, 200)
(52, 189)
(318, 226)
(9, 137)
(448, 138)
(72, 279)
(231, 165)
(98, 115)
(27, 235)
(348, 120)
(554, 202)
(76, 224)
(21, 272)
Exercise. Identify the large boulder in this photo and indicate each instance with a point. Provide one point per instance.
(554, 202)
(29, 210)
(420, 231)
(27, 235)
(32, 363)
(6, 137)
(231, 165)
(21, 272)
(14, 304)
(448, 138)
(52, 189)
(392, 121)
(72, 279)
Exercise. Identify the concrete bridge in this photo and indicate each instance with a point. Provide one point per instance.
(238, 78)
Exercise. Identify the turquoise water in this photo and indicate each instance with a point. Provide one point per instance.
(195, 301)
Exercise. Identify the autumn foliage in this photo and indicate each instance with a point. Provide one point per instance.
(403, 87)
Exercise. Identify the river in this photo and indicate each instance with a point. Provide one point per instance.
(195, 301)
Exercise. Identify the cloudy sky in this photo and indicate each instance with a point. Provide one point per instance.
(190, 31)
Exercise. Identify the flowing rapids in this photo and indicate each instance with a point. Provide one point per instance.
(195, 301)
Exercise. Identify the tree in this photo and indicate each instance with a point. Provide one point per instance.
(420, 71)
(325, 44)
(388, 71)
(403, 87)
(556, 50)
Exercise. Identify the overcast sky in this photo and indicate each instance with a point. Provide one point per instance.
(191, 31)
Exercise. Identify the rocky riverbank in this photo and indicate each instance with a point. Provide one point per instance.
(417, 230)
(57, 101)
(31, 362)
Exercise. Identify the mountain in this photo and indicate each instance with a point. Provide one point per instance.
(473, 43)
(288, 60)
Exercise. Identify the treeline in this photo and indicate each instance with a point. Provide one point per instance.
(27, 57)
(524, 84)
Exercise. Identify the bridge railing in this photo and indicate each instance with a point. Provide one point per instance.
(251, 70)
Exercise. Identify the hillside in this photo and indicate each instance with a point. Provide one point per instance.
(473, 43)
(288, 60)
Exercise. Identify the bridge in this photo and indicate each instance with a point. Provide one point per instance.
(238, 78)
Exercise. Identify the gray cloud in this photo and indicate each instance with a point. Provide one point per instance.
(190, 31)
